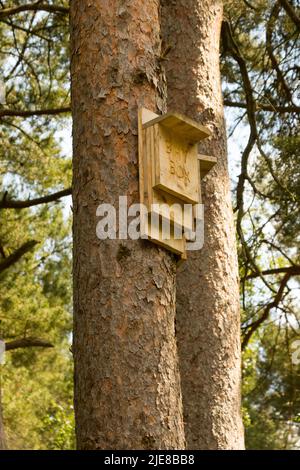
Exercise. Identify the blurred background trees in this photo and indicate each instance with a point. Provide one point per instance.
(260, 65)
(260, 69)
(35, 240)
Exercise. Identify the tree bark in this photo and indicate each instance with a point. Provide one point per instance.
(127, 388)
(208, 318)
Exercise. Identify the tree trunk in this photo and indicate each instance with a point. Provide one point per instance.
(3, 445)
(208, 318)
(127, 388)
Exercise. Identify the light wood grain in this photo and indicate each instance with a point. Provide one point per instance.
(184, 127)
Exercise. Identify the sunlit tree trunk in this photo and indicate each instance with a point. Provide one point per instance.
(127, 390)
(208, 318)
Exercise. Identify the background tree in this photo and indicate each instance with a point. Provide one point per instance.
(34, 238)
(261, 80)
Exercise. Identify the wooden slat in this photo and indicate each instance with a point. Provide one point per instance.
(141, 153)
(154, 233)
(183, 126)
(184, 164)
(177, 217)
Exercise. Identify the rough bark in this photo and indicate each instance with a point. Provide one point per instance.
(127, 390)
(208, 319)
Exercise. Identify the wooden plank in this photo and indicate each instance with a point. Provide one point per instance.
(170, 208)
(176, 166)
(148, 163)
(162, 198)
(153, 231)
(183, 126)
(141, 155)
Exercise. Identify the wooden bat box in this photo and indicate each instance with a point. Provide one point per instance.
(169, 175)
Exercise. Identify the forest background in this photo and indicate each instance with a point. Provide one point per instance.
(260, 72)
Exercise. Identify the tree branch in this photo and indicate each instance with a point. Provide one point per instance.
(291, 12)
(249, 5)
(37, 6)
(264, 107)
(277, 299)
(231, 46)
(292, 270)
(27, 343)
(36, 112)
(269, 47)
(13, 204)
(17, 254)
(273, 245)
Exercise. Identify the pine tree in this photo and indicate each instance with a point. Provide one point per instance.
(127, 388)
(208, 315)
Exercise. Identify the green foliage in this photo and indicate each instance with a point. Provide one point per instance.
(260, 70)
(36, 302)
(271, 382)
(35, 292)
(37, 399)
(58, 427)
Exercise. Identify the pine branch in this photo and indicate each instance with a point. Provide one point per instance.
(37, 6)
(17, 254)
(264, 107)
(27, 343)
(274, 304)
(249, 5)
(292, 270)
(36, 112)
(291, 12)
(14, 204)
(231, 47)
(270, 50)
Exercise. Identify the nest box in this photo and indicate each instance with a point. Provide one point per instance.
(170, 170)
